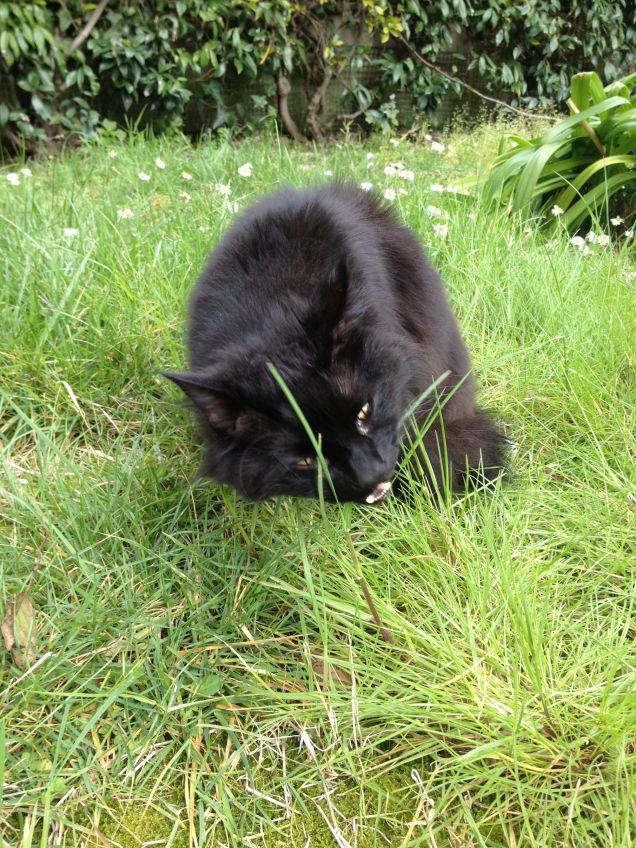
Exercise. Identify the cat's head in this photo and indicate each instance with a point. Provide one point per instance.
(346, 374)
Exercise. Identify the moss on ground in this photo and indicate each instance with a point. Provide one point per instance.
(388, 809)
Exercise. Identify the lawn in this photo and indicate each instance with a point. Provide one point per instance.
(206, 671)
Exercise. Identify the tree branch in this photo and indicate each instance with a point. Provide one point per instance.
(283, 87)
(81, 37)
(316, 106)
(465, 85)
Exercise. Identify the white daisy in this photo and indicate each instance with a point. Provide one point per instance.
(389, 193)
(245, 170)
(26, 172)
(394, 141)
(428, 137)
(186, 176)
(577, 241)
(159, 163)
(433, 210)
(556, 210)
(366, 186)
(123, 214)
(390, 170)
(223, 189)
(329, 173)
(437, 187)
(13, 179)
(437, 147)
(603, 239)
(617, 221)
(370, 155)
(185, 196)
(406, 175)
(70, 232)
(440, 230)
(112, 154)
(629, 234)
(232, 205)
(143, 177)
(591, 237)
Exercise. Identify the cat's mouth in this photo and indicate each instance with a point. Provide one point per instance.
(380, 493)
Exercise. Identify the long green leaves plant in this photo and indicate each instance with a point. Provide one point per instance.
(583, 167)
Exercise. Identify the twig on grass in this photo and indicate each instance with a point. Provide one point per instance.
(386, 633)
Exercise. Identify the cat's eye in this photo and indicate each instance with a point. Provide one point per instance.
(306, 462)
(362, 418)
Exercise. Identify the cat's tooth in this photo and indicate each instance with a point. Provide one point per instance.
(379, 492)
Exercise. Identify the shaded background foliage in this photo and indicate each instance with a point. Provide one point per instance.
(70, 66)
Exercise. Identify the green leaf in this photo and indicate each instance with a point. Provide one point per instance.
(525, 188)
(561, 129)
(587, 205)
(567, 195)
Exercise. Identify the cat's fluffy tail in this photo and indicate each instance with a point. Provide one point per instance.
(457, 455)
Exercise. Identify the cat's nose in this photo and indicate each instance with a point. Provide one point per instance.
(373, 472)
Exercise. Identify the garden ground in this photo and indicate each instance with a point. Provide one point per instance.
(206, 670)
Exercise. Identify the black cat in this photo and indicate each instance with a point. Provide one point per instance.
(328, 287)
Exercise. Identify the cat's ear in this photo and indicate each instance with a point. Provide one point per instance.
(220, 410)
(335, 298)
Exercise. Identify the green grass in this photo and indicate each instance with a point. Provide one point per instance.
(208, 670)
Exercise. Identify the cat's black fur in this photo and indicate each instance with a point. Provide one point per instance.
(331, 289)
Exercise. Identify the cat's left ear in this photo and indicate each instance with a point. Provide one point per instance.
(221, 411)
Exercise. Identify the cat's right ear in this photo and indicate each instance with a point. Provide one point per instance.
(220, 410)
(335, 296)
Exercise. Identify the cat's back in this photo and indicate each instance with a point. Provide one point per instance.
(276, 254)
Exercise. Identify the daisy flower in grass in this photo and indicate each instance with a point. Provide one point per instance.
(143, 177)
(124, 214)
(366, 186)
(159, 163)
(70, 232)
(437, 147)
(26, 172)
(617, 221)
(245, 170)
(556, 210)
(13, 179)
(440, 230)
(389, 194)
(186, 176)
(224, 190)
(437, 187)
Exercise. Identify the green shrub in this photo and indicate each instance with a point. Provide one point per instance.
(67, 67)
(584, 166)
